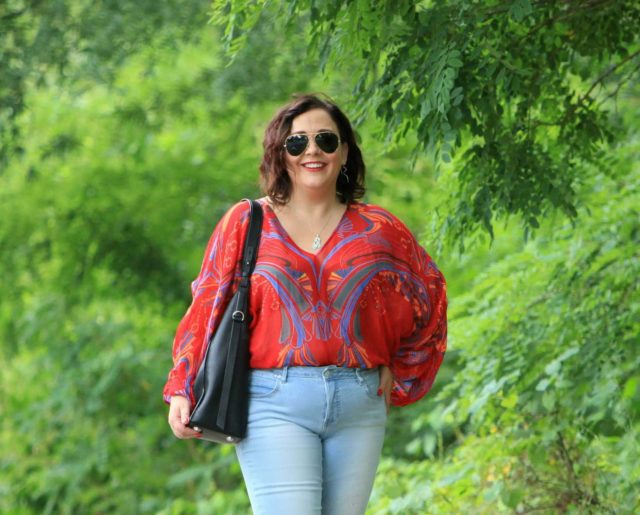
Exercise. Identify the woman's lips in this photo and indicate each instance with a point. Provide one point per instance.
(314, 165)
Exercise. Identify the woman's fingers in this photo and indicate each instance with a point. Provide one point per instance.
(179, 418)
(181, 430)
(184, 414)
(386, 385)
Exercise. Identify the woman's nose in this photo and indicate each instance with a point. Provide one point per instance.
(312, 147)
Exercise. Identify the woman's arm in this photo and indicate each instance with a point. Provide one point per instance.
(210, 292)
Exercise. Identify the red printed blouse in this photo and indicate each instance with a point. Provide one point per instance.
(371, 296)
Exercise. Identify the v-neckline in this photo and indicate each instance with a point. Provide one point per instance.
(293, 242)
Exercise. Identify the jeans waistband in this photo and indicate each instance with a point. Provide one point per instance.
(329, 371)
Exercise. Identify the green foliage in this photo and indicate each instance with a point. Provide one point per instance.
(72, 39)
(124, 146)
(104, 216)
(518, 87)
(545, 403)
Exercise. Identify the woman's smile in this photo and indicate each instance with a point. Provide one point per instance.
(314, 165)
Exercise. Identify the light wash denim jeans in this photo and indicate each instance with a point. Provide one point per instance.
(313, 440)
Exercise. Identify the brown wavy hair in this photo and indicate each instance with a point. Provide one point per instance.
(274, 178)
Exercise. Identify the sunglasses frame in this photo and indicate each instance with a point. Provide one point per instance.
(308, 136)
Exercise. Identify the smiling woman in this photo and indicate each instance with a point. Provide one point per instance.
(348, 316)
(312, 168)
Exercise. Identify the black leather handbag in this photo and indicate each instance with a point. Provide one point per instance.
(221, 387)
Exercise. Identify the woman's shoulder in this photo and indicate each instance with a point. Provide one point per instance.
(231, 225)
(382, 217)
(395, 233)
(238, 212)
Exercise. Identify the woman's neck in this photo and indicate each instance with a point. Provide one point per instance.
(313, 206)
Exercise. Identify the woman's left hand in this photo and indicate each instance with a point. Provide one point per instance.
(386, 384)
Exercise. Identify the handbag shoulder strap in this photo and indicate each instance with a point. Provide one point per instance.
(250, 251)
(249, 257)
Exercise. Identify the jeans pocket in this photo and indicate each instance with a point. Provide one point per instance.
(370, 382)
(263, 384)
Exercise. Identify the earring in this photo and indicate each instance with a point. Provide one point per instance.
(343, 172)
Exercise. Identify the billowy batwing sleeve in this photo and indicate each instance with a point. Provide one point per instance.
(417, 358)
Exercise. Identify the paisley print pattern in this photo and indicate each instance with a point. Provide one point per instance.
(371, 296)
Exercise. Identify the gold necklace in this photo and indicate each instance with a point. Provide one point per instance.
(317, 241)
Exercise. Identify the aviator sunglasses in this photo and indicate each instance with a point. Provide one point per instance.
(327, 141)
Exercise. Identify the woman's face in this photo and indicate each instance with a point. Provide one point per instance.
(315, 169)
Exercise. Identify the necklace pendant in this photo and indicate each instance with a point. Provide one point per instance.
(317, 242)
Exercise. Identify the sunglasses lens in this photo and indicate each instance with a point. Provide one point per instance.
(296, 143)
(327, 142)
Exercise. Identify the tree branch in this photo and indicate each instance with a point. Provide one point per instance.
(568, 462)
(16, 14)
(561, 121)
(606, 74)
(622, 82)
(593, 4)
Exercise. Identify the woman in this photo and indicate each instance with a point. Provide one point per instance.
(348, 317)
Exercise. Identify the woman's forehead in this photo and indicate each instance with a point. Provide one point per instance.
(314, 120)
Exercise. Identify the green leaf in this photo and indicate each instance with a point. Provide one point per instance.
(553, 367)
(543, 385)
(510, 401)
(516, 11)
(549, 400)
(512, 497)
(631, 387)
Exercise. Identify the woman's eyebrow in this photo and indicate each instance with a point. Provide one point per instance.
(312, 132)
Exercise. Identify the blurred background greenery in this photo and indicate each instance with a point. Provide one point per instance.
(505, 134)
